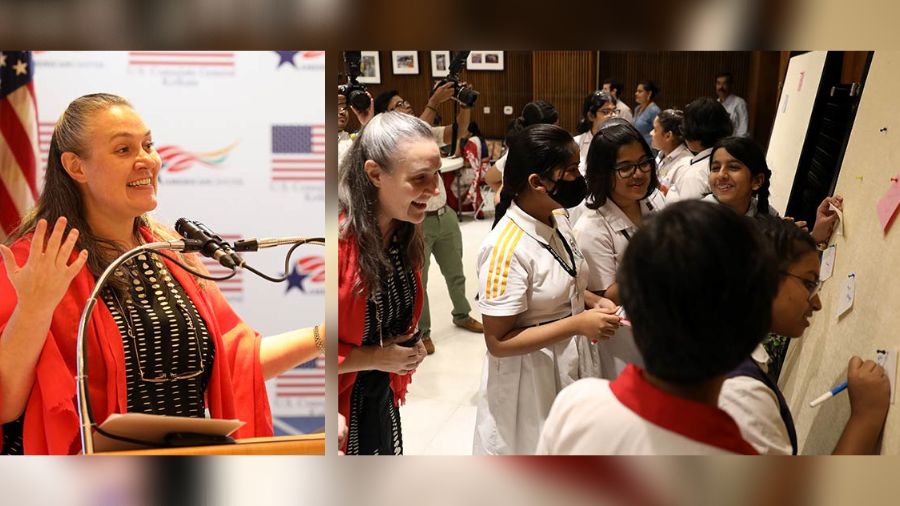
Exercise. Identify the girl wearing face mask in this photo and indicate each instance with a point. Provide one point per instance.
(532, 280)
(754, 400)
(622, 193)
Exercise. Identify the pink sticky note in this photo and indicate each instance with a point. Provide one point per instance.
(887, 205)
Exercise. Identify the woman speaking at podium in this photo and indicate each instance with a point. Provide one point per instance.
(163, 342)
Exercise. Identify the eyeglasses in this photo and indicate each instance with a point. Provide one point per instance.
(627, 170)
(813, 286)
(608, 112)
(401, 103)
(342, 110)
(166, 376)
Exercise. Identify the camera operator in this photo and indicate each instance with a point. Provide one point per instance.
(392, 101)
(343, 117)
(441, 226)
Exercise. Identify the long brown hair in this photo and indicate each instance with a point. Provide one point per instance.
(380, 141)
(62, 196)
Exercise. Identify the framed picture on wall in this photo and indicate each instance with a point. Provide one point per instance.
(369, 68)
(405, 62)
(440, 63)
(485, 60)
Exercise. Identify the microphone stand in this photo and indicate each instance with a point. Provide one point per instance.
(85, 414)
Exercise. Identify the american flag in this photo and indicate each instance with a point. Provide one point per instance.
(298, 153)
(175, 159)
(307, 380)
(19, 152)
(182, 58)
(231, 286)
(45, 132)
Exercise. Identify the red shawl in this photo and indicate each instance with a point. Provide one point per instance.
(236, 388)
(352, 320)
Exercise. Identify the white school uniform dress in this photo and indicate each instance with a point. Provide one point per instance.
(754, 407)
(691, 181)
(672, 165)
(584, 144)
(518, 275)
(630, 416)
(603, 235)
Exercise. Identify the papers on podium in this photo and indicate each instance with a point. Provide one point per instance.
(153, 430)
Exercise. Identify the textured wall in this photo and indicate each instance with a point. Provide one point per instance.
(818, 361)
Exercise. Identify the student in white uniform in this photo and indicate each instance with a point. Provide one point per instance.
(674, 157)
(531, 294)
(622, 192)
(739, 178)
(598, 107)
(753, 398)
(697, 282)
(705, 123)
(621, 181)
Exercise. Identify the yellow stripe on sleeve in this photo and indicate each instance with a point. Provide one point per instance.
(509, 257)
(499, 245)
(506, 253)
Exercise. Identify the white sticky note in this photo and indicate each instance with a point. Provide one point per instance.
(839, 226)
(888, 360)
(827, 268)
(845, 296)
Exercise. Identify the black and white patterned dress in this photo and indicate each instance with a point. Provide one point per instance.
(374, 422)
(168, 340)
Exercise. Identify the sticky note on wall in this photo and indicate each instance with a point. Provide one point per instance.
(846, 294)
(887, 205)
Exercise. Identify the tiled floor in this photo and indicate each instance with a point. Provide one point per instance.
(439, 415)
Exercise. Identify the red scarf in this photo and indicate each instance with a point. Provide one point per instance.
(236, 386)
(352, 320)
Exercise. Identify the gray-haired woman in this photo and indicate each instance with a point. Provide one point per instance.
(384, 183)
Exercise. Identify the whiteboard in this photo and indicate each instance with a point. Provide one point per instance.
(798, 95)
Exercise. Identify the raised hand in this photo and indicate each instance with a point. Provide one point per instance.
(41, 283)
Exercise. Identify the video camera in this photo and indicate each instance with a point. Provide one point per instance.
(463, 95)
(355, 93)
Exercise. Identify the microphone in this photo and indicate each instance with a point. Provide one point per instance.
(258, 244)
(213, 246)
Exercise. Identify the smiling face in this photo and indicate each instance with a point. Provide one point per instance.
(404, 192)
(118, 166)
(732, 182)
(792, 307)
(627, 190)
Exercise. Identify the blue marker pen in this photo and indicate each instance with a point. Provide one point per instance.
(828, 395)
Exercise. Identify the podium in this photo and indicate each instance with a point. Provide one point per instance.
(307, 444)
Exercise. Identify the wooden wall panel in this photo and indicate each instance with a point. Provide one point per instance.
(564, 78)
(682, 76)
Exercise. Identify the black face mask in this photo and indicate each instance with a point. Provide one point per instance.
(569, 193)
